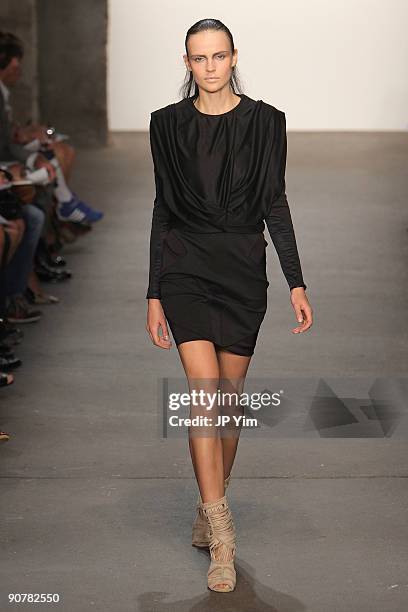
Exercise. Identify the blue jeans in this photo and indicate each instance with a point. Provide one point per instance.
(21, 264)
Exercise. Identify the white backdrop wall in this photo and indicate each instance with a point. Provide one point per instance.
(329, 64)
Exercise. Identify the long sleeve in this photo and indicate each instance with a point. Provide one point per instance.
(279, 220)
(160, 220)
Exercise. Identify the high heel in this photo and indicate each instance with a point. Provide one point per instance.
(221, 575)
(201, 529)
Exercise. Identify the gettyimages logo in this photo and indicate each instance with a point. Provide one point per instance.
(341, 407)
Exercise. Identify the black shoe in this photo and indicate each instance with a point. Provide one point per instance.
(9, 363)
(5, 351)
(41, 262)
(9, 334)
(44, 253)
(56, 262)
(48, 262)
(51, 275)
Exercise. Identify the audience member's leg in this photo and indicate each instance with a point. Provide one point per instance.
(4, 252)
(69, 207)
(45, 200)
(62, 192)
(65, 153)
(20, 266)
(15, 231)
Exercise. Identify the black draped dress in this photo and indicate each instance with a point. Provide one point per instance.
(218, 178)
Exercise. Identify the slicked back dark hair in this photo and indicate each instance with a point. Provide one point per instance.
(10, 46)
(189, 86)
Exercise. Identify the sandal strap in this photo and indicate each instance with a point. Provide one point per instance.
(222, 531)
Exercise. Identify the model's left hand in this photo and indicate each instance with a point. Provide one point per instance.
(302, 308)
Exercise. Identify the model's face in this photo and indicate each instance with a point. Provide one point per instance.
(12, 72)
(210, 59)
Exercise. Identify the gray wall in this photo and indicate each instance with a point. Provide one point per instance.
(65, 65)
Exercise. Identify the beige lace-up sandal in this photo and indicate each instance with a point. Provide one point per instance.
(201, 528)
(221, 575)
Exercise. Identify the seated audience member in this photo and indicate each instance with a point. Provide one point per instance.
(11, 232)
(10, 237)
(42, 138)
(69, 206)
(28, 222)
(46, 267)
(18, 309)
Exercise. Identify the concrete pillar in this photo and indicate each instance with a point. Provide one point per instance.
(72, 38)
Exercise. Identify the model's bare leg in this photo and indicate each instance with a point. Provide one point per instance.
(202, 368)
(233, 369)
(200, 363)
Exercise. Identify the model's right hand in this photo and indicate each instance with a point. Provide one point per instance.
(155, 320)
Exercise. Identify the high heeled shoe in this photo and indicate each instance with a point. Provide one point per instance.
(201, 530)
(221, 575)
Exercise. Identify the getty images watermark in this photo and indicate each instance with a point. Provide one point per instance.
(306, 407)
(218, 408)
